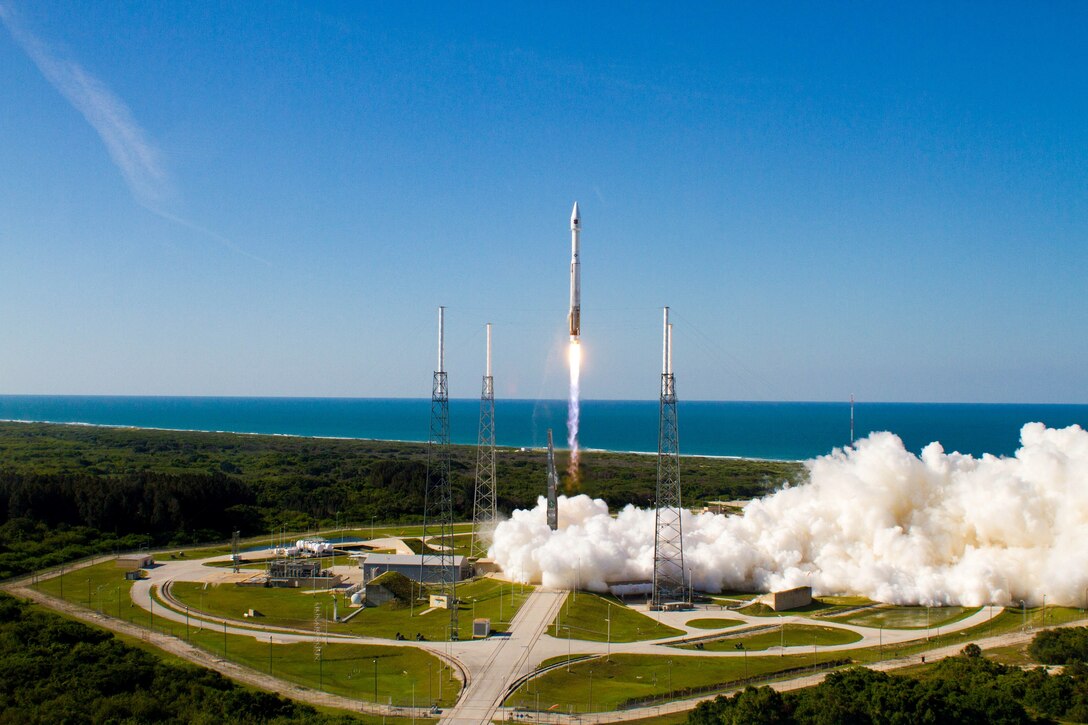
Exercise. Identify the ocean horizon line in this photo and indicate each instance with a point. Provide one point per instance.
(845, 401)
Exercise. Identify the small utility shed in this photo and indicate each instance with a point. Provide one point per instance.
(132, 562)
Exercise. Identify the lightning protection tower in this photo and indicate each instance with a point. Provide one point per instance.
(437, 544)
(669, 580)
(553, 487)
(483, 511)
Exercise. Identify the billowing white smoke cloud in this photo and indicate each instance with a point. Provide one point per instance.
(874, 520)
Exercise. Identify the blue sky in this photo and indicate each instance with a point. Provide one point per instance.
(272, 199)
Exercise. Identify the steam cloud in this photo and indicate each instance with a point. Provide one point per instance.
(875, 520)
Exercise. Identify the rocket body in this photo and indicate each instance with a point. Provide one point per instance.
(575, 314)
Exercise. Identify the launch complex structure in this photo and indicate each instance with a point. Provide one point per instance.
(671, 585)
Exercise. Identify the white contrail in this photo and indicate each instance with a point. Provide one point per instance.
(132, 152)
(135, 156)
(875, 520)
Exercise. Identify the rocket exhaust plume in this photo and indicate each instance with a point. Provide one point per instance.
(873, 519)
(574, 354)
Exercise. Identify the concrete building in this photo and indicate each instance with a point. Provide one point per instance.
(789, 599)
(374, 565)
(131, 562)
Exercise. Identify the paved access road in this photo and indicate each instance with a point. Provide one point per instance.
(509, 659)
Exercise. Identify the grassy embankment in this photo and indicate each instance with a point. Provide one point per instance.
(598, 684)
(787, 635)
(713, 623)
(586, 616)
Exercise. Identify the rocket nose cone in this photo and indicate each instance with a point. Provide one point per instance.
(575, 217)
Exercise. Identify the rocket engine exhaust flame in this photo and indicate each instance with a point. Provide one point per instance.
(873, 519)
(574, 356)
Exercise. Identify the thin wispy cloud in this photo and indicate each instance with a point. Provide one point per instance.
(128, 144)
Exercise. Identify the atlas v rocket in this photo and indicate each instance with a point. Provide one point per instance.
(575, 315)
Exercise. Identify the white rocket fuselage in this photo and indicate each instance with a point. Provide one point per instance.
(575, 315)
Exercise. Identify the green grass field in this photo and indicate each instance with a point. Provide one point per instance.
(489, 598)
(906, 617)
(789, 635)
(585, 617)
(342, 669)
(101, 587)
(596, 685)
(713, 623)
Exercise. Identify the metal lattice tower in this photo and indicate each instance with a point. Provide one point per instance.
(437, 544)
(553, 487)
(483, 510)
(235, 555)
(669, 579)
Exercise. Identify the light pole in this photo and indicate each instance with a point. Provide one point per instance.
(372, 528)
(1023, 615)
(375, 679)
(270, 654)
(186, 624)
(591, 691)
(1044, 610)
(608, 635)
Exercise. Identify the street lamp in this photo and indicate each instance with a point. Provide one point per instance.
(608, 635)
(1023, 615)
(375, 679)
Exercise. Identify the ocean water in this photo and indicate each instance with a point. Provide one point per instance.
(786, 431)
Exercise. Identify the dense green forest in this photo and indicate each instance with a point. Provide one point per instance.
(54, 670)
(67, 491)
(1062, 646)
(966, 689)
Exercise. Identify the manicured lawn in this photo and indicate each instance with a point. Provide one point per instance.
(586, 618)
(713, 623)
(598, 685)
(488, 598)
(102, 587)
(906, 617)
(789, 635)
(342, 669)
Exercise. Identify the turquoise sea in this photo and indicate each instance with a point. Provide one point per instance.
(788, 431)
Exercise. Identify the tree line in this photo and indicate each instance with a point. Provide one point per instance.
(967, 689)
(69, 491)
